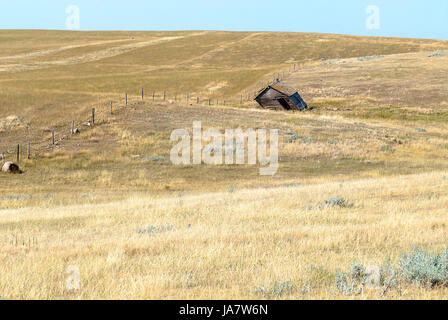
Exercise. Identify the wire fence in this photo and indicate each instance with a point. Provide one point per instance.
(103, 110)
(31, 148)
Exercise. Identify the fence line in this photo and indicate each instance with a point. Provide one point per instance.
(246, 96)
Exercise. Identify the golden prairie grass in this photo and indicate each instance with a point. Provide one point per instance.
(124, 145)
(190, 62)
(222, 245)
(142, 228)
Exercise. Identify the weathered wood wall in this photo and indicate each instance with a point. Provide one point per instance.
(269, 99)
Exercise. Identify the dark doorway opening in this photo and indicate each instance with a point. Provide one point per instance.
(284, 104)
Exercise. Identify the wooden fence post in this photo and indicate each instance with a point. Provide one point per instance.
(93, 116)
(142, 94)
(3, 158)
(111, 111)
(18, 153)
(126, 97)
(175, 97)
(52, 136)
(209, 102)
(29, 151)
(73, 126)
(197, 100)
(164, 95)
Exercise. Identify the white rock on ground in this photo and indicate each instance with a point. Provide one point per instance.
(10, 167)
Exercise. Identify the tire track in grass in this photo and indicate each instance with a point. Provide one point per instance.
(89, 57)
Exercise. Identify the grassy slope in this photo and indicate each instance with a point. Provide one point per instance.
(359, 108)
(186, 64)
(223, 245)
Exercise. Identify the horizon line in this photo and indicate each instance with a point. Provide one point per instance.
(220, 30)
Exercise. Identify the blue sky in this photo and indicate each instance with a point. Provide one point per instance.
(398, 18)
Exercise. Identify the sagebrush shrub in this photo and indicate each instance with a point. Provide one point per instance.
(336, 202)
(387, 149)
(417, 267)
(277, 289)
(425, 269)
(293, 137)
(359, 277)
(420, 129)
(347, 285)
(153, 230)
(155, 159)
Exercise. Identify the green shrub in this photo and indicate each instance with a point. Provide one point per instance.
(425, 269)
(277, 289)
(420, 129)
(293, 137)
(417, 267)
(335, 202)
(387, 149)
(360, 277)
(153, 230)
(155, 159)
(351, 283)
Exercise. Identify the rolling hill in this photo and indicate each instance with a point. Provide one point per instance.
(109, 201)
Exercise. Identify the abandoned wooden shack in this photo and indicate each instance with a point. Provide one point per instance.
(279, 96)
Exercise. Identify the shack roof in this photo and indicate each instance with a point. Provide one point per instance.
(283, 88)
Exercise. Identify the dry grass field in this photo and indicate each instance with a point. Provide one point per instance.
(362, 175)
